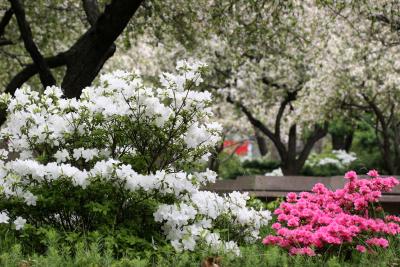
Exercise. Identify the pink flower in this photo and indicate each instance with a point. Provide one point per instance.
(293, 222)
(302, 251)
(379, 242)
(351, 175)
(373, 173)
(276, 226)
(361, 248)
(291, 197)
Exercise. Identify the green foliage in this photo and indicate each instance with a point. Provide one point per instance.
(95, 253)
(322, 171)
(366, 145)
(260, 166)
(233, 167)
(230, 167)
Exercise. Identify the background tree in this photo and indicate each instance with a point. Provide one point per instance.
(84, 49)
(258, 55)
(359, 71)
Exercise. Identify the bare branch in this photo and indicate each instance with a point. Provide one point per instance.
(45, 75)
(4, 42)
(383, 18)
(30, 70)
(318, 133)
(5, 20)
(261, 126)
(92, 10)
(88, 55)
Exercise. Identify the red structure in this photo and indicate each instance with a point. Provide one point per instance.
(241, 148)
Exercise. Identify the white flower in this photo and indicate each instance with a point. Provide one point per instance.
(4, 217)
(189, 243)
(30, 199)
(61, 156)
(3, 154)
(19, 223)
(86, 154)
(276, 172)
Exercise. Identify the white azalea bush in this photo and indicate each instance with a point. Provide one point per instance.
(120, 161)
(329, 163)
(339, 158)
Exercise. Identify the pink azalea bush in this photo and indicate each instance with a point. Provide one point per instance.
(349, 217)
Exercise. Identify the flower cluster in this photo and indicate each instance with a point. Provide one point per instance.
(204, 207)
(117, 150)
(322, 219)
(338, 158)
(19, 222)
(275, 172)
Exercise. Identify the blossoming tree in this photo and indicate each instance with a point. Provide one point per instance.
(358, 72)
(260, 54)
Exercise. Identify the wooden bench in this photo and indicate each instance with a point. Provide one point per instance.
(272, 187)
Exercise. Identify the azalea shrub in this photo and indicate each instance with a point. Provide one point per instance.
(121, 161)
(330, 163)
(326, 221)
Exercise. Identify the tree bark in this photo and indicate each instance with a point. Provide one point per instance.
(92, 10)
(385, 134)
(214, 162)
(88, 55)
(5, 20)
(261, 142)
(45, 75)
(342, 141)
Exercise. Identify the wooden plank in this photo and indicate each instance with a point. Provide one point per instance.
(279, 186)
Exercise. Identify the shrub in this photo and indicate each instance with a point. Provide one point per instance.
(112, 162)
(233, 167)
(336, 221)
(329, 164)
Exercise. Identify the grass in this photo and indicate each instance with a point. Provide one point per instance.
(252, 256)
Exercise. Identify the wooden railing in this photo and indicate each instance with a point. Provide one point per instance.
(278, 186)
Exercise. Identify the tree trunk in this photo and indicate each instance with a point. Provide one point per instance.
(342, 141)
(291, 167)
(387, 153)
(261, 142)
(214, 162)
(88, 55)
(290, 163)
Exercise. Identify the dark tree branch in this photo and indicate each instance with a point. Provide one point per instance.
(291, 96)
(319, 132)
(5, 20)
(45, 75)
(88, 55)
(30, 70)
(261, 142)
(278, 118)
(262, 127)
(92, 10)
(270, 83)
(292, 142)
(4, 42)
(386, 146)
(383, 18)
